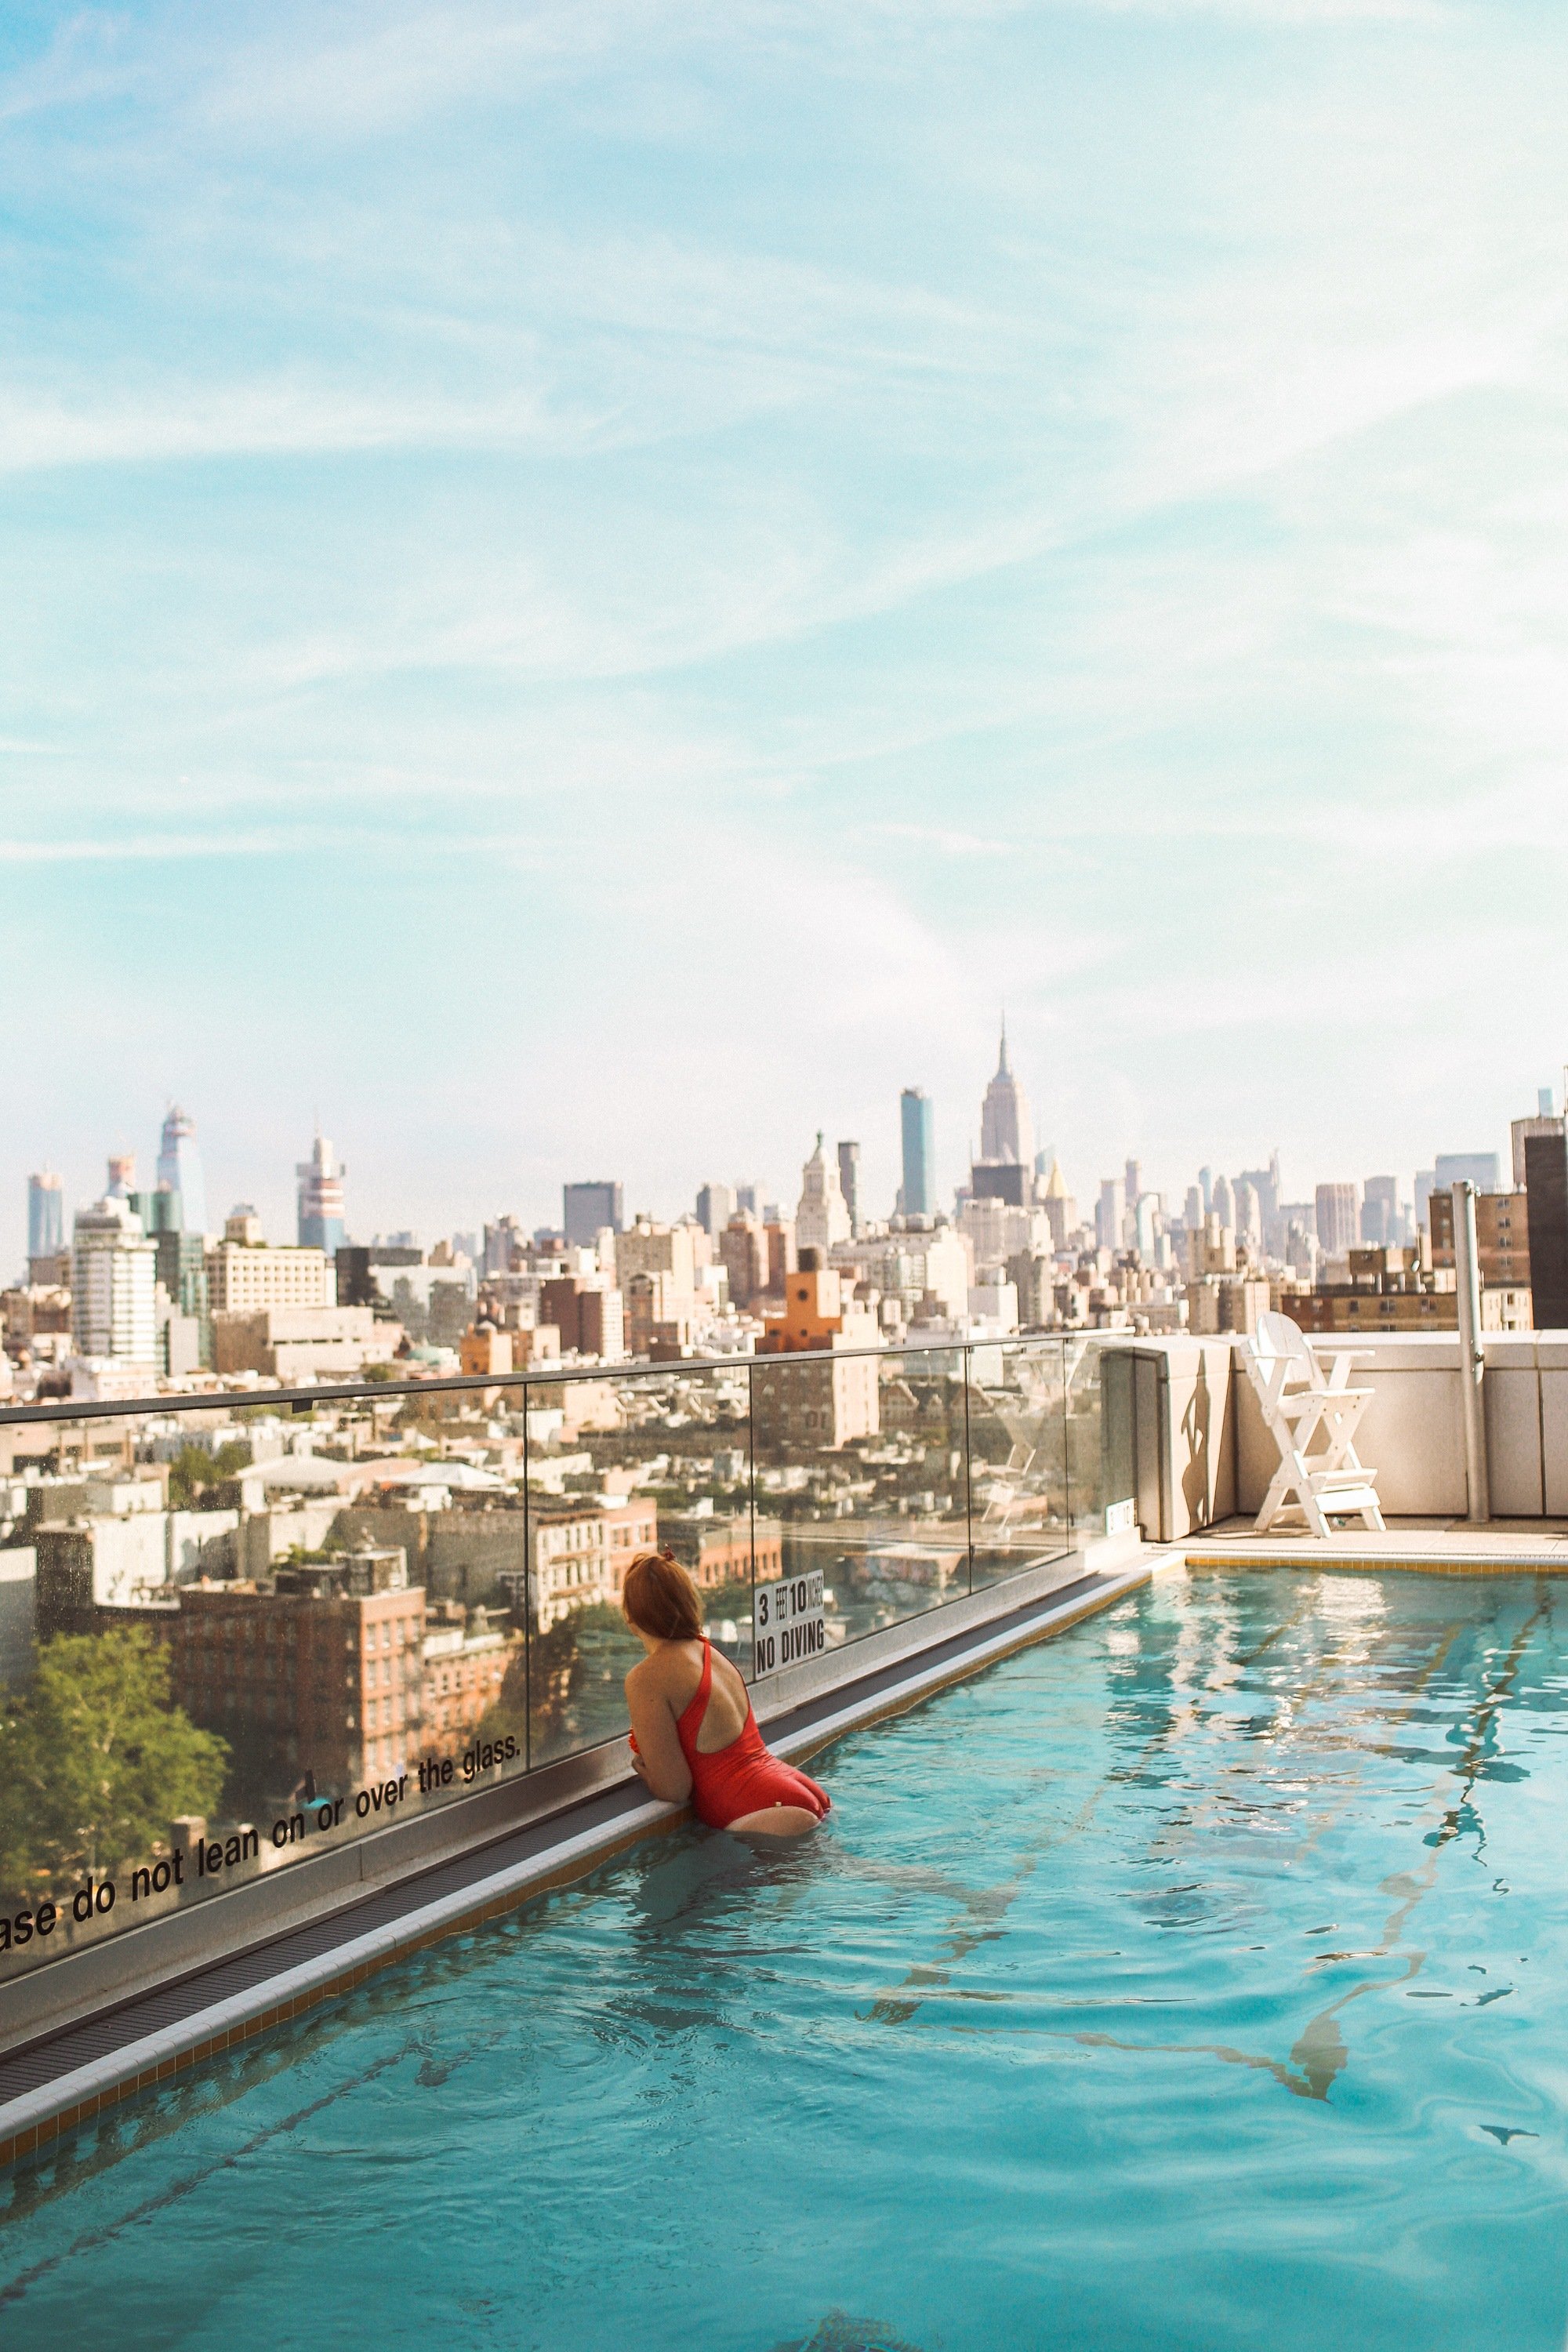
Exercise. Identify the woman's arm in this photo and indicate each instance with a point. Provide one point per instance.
(659, 1756)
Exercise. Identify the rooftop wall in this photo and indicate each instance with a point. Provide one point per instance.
(1202, 1452)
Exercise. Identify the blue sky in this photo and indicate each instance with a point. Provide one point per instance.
(591, 589)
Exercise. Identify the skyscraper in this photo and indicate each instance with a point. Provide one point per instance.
(320, 1199)
(113, 1280)
(849, 1181)
(715, 1207)
(1339, 1219)
(916, 1195)
(46, 1214)
(1481, 1169)
(1546, 1192)
(1006, 1133)
(587, 1209)
(822, 1220)
(1381, 1220)
(180, 1168)
(1545, 1122)
(1266, 1183)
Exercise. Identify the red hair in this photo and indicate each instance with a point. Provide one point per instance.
(660, 1598)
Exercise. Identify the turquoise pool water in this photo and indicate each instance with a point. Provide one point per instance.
(1197, 1980)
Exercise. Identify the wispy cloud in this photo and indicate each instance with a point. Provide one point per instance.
(710, 548)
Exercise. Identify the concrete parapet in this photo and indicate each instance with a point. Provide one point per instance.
(1200, 1451)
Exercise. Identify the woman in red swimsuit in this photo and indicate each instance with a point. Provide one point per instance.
(693, 1732)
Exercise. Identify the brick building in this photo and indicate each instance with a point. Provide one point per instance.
(323, 1674)
(466, 1662)
(590, 1316)
(1502, 1236)
(660, 1317)
(716, 1549)
(743, 1249)
(582, 1552)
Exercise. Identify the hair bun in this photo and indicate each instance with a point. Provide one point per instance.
(659, 1598)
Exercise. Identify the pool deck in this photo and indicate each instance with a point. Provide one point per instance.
(1429, 1547)
(68, 2077)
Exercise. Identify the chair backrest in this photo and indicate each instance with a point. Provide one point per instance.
(1277, 1336)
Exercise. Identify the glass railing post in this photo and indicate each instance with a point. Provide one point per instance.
(967, 1361)
(1066, 1448)
(751, 1498)
(527, 1592)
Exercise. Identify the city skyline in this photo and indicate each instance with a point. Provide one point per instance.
(285, 1222)
(716, 513)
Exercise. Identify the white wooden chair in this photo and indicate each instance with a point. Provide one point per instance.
(1304, 1407)
(1002, 1489)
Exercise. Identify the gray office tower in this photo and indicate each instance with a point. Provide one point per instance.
(180, 1169)
(587, 1209)
(1481, 1169)
(917, 1195)
(1546, 1197)
(849, 1181)
(45, 1215)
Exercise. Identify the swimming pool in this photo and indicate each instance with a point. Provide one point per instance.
(1195, 1980)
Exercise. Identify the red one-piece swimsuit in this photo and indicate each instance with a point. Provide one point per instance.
(743, 1778)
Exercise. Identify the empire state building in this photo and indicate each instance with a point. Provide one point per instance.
(1006, 1133)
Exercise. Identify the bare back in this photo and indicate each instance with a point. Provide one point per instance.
(673, 1672)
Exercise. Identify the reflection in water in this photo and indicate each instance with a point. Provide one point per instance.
(840, 2332)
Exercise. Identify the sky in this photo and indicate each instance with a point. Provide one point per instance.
(590, 590)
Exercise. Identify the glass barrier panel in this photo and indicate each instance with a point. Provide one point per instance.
(633, 1462)
(1098, 1447)
(235, 1636)
(861, 1478)
(1018, 1448)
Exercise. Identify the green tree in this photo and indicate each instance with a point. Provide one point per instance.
(194, 1469)
(95, 1763)
(577, 1670)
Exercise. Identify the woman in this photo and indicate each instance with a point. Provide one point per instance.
(693, 1732)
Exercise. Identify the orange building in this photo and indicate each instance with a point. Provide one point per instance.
(826, 1403)
(484, 1351)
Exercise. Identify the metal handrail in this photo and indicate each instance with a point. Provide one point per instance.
(352, 1391)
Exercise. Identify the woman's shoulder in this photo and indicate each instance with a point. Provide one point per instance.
(667, 1670)
(728, 1672)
